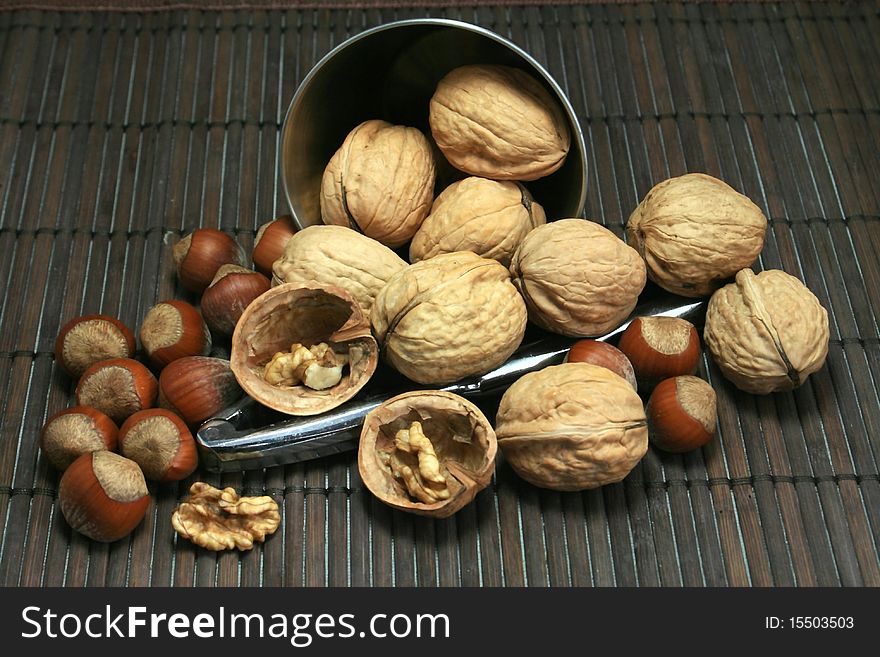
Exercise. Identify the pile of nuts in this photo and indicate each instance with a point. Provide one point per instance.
(484, 262)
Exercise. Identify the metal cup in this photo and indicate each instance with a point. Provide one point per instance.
(390, 72)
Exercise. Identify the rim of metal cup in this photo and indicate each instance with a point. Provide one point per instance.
(577, 135)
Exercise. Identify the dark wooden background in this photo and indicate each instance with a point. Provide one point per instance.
(119, 132)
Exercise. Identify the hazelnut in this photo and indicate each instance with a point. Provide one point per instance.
(231, 291)
(117, 387)
(270, 241)
(660, 347)
(198, 387)
(604, 355)
(695, 232)
(200, 254)
(174, 329)
(75, 431)
(681, 414)
(103, 496)
(572, 427)
(86, 340)
(160, 443)
(766, 331)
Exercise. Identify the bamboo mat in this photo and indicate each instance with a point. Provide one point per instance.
(121, 131)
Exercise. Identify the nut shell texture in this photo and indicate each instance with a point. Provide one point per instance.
(577, 278)
(307, 314)
(380, 182)
(572, 427)
(498, 122)
(695, 232)
(485, 216)
(337, 256)
(766, 331)
(462, 436)
(449, 317)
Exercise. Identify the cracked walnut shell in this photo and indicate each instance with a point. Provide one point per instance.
(498, 122)
(221, 520)
(288, 319)
(380, 182)
(766, 331)
(427, 452)
(572, 427)
(488, 217)
(578, 278)
(449, 317)
(334, 255)
(695, 232)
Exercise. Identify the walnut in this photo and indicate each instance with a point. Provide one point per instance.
(303, 349)
(577, 278)
(449, 317)
(380, 182)
(428, 452)
(333, 255)
(487, 217)
(695, 232)
(766, 331)
(572, 427)
(498, 122)
(221, 520)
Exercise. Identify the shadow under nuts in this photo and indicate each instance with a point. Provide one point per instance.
(380, 182)
(695, 232)
(449, 317)
(498, 122)
(427, 452)
(766, 331)
(577, 278)
(572, 427)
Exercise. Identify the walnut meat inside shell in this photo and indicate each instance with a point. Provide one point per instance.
(695, 232)
(449, 317)
(427, 452)
(572, 427)
(325, 322)
(498, 122)
(380, 182)
(577, 278)
(766, 331)
(488, 217)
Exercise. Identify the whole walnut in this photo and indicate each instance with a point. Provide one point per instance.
(695, 232)
(577, 278)
(449, 317)
(498, 122)
(572, 427)
(334, 255)
(488, 217)
(380, 182)
(766, 331)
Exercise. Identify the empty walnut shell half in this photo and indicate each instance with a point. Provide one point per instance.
(292, 317)
(427, 452)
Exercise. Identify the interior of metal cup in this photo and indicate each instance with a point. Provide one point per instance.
(390, 72)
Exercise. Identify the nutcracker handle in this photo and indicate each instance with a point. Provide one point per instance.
(248, 436)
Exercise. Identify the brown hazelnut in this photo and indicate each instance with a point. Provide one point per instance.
(117, 387)
(103, 496)
(200, 254)
(174, 329)
(161, 443)
(197, 387)
(86, 340)
(231, 291)
(681, 414)
(70, 433)
(270, 241)
(660, 348)
(604, 355)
